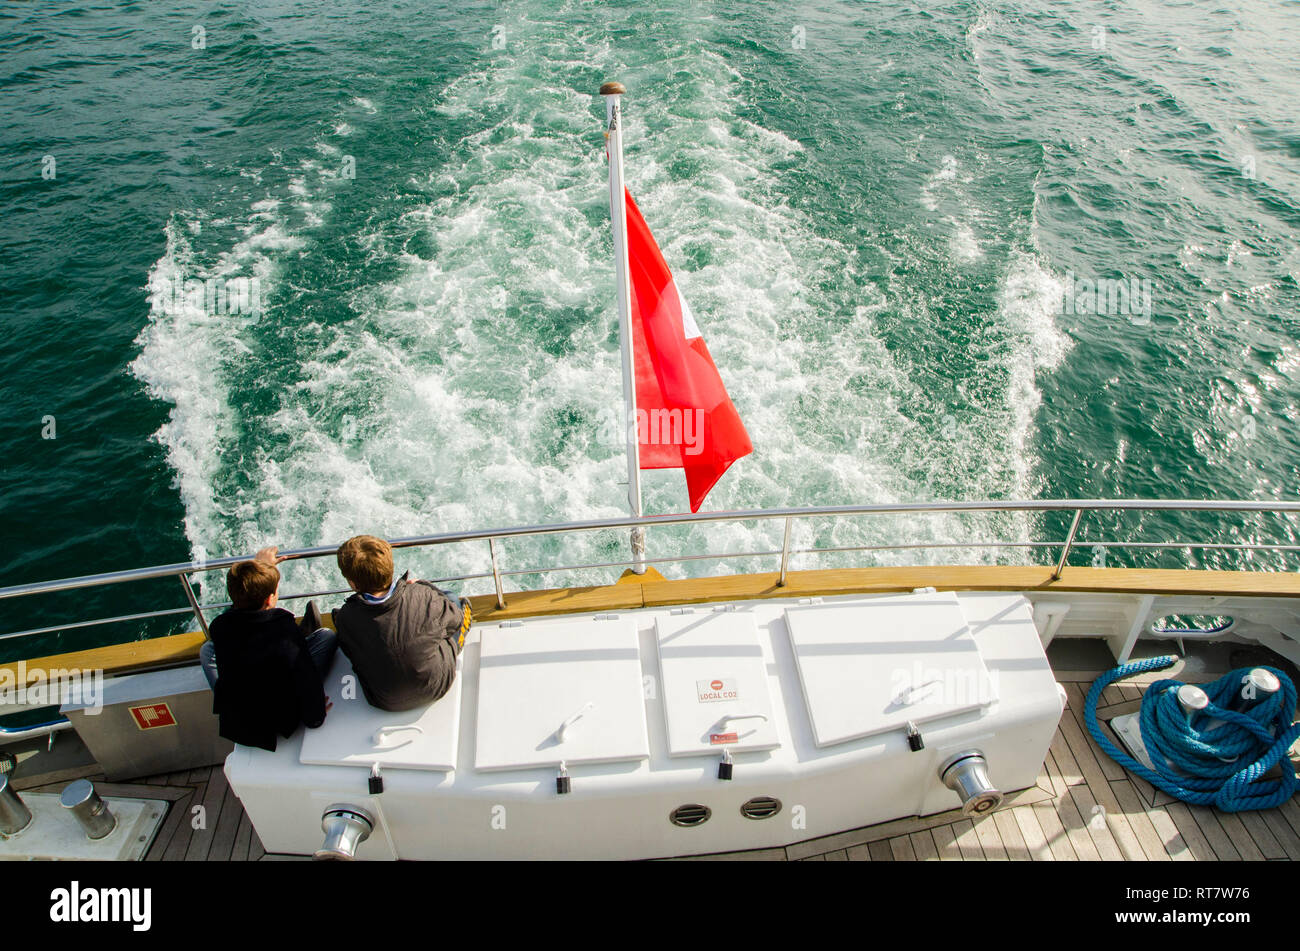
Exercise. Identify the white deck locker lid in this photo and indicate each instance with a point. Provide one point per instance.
(714, 684)
(536, 678)
(356, 734)
(871, 666)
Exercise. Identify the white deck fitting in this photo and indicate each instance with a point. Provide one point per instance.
(712, 667)
(536, 677)
(348, 735)
(872, 666)
(54, 834)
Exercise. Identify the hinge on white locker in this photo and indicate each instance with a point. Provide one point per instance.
(810, 600)
(682, 611)
(605, 617)
(724, 607)
(512, 624)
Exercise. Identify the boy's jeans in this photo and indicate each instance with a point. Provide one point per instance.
(321, 644)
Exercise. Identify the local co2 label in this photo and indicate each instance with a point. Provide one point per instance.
(715, 691)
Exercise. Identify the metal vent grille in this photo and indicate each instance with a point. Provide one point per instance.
(689, 815)
(761, 807)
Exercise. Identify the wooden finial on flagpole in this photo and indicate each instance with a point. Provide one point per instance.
(612, 89)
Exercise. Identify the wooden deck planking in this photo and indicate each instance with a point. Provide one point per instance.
(1099, 791)
(1239, 835)
(1098, 825)
(968, 841)
(1259, 832)
(986, 830)
(1012, 838)
(1077, 833)
(1129, 691)
(901, 846)
(1197, 843)
(1059, 786)
(1290, 811)
(223, 842)
(201, 841)
(1064, 760)
(1214, 833)
(945, 837)
(1281, 829)
(1135, 811)
(180, 841)
(881, 851)
(1109, 767)
(924, 847)
(1034, 836)
(177, 814)
(1058, 842)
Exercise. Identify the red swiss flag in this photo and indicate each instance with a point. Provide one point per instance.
(685, 420)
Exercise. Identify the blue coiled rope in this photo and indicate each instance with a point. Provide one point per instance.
(1253, 741)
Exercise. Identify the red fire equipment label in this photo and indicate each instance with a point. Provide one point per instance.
(152, 715)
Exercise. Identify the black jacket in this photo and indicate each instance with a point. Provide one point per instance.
(266, 682)
(403, 650)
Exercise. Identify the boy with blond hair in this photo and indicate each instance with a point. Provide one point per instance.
(401, 634)
(264, 669)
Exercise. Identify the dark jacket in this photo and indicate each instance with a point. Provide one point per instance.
(403, 650)
(266, 682)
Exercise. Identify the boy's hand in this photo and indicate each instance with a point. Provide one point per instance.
(328, 703)
(270, 554)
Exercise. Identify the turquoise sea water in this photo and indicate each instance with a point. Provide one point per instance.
(875, 210)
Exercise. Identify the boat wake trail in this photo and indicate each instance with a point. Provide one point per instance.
(446, 358)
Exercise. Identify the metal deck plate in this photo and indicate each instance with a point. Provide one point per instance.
(713, 674)
(55, 835)
(871, 666)
(535, 677)
(356, 734)
(1128, 728)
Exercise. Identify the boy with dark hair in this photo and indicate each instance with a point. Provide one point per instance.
(402, 635)
(265, 670)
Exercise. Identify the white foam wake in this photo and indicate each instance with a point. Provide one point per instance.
(470, 391)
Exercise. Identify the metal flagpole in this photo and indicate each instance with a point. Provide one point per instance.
(618, 217)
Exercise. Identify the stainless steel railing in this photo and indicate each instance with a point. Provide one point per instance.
(1077, 507)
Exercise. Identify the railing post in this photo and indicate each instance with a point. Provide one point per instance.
(496, 573)
(785, 552)
(194, 604)
(1069, 543)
